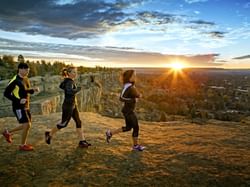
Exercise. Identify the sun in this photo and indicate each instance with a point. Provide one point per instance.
(177, 66)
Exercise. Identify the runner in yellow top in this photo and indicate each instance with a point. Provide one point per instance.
(18, 91)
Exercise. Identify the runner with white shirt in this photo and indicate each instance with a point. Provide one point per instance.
(128, 96)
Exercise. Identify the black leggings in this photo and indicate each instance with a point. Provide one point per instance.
(131, 122)
(68, 112)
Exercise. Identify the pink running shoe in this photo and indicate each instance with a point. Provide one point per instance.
(7, 136)
(138, 148)
(108, 136)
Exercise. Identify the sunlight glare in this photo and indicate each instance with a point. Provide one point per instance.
(177, 66)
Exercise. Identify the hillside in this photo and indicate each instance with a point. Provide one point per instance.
(178, 154)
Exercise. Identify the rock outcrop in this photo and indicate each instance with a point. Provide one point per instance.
(100, 93)
(50, 98)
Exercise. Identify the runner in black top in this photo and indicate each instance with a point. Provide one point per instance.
(18, 91)
(69, 107)
(128, 95)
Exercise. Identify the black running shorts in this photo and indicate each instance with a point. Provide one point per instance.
(22, 115)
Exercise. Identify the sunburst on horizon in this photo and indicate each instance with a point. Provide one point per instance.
(177, 66)
(175, 71)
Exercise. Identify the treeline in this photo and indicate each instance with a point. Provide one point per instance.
(198, 95)
(8, 67)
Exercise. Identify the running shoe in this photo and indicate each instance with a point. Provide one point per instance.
(84, 144)
(108, 136)
(47, 137)
(7, 136)
(26, 147)
(138, 148)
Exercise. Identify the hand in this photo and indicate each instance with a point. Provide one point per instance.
(36, 89)
(140, 95)
(23, 101)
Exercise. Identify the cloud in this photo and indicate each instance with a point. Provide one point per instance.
(129, 3)
(242, 57)
(75, 19)
(201, 22)
(105, 56)
(83, 19)
(202, 28)
(203, 59)
(156, 18)
(195, 1)
(197, 12)
(222, 61)
(216, 34)
(78, 19)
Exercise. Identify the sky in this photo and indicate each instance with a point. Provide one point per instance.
(128, 33)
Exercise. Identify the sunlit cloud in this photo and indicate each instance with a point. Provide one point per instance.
(84, 19)
(119, 57)
(239, 64)
(242, 57)
(104, 29)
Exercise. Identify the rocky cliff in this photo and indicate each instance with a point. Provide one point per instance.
(96, 88)
(100, 93)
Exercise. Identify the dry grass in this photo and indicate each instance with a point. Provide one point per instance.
(177, 154)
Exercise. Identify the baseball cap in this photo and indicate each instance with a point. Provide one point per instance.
(23, 65)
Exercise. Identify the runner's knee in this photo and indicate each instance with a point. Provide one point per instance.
(27, 125)
(62, 125)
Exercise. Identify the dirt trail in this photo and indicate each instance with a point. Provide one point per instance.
(178, 154)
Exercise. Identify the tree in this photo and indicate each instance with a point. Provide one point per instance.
(10, 64)
(1, 62)
(9, 60)
(20, 58)
(33, 69)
